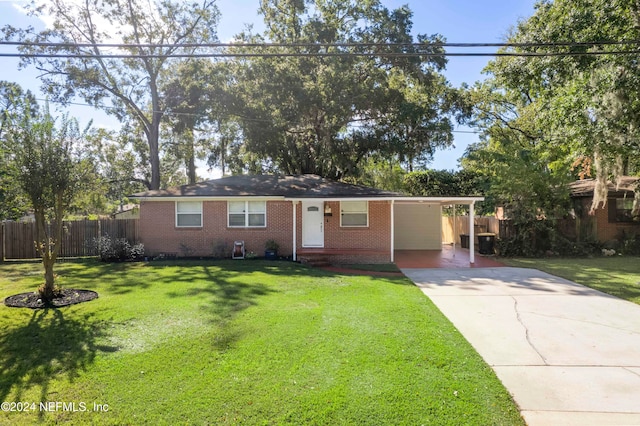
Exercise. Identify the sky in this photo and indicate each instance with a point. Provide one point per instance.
(459, 21)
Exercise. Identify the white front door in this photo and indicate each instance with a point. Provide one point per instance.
(312, 224)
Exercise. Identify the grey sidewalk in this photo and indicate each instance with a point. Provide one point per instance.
(568, 354)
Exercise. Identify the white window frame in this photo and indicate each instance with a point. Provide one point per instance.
(365, 211)
(247, 213)
(193, 211)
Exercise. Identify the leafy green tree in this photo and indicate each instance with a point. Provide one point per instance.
(418, 120)
(186, 102)
(126, 88)
(527, 172)
(379, 171)
(51, 169)
(320, 114)
(198, 103)
(583, 101)
(14, 102)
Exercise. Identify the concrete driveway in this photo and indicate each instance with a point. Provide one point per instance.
(568, 354)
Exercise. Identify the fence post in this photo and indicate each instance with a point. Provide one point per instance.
(1, 242)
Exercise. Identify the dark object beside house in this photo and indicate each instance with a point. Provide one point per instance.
(271, 250)
(270, 254)
(464, 241)
(486, 243)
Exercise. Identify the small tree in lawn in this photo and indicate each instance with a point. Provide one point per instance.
(49, 167)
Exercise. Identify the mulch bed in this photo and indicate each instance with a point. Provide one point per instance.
(68, 296)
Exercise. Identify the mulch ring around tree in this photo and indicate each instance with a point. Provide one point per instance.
(66, 297)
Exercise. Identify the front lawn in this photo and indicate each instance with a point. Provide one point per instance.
(618, 275)
(248, 342)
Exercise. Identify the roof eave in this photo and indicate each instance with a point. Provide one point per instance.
(207, 198)
(407, 199)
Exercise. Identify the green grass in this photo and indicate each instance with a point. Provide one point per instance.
(618, 275)
(244, 342)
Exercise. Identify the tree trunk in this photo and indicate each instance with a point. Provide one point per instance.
(47, 291)
(223, 154)
(154, 153)
(44, 247)
(154, 136)
(191, 168)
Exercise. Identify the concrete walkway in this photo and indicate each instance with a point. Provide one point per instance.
(568, 354)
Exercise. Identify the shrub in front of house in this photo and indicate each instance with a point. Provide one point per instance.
(117, 249)
(629, 243)
(545, 245)
(221, 249)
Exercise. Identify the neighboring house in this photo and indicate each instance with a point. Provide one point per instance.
(607, 222)
(305, 214)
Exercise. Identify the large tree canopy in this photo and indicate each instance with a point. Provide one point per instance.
(127, 88)
(14, 102)
(587, 103)
(324, 114)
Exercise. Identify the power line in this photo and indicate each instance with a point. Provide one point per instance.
(319, 54)
(227, 50)
(325, 45)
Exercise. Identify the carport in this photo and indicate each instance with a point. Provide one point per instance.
(449, 257)
(417, 226)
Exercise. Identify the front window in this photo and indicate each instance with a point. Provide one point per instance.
(354, 214)
(624, 211)
(247, 214)
(188, 214)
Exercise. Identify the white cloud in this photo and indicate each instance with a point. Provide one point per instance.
(103, 25)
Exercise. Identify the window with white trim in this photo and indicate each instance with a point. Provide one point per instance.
(354, 213)
(247, 214)
(188, 214)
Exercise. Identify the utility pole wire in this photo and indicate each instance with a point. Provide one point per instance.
(230, 50)
(327, 54)
(327, 45)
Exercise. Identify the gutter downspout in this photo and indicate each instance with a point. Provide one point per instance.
(392, 230)
(295, 228)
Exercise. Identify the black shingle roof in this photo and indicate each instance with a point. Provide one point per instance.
(298, 186)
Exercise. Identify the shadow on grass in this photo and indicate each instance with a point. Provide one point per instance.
(118, 275)
(49, 345)
(224, 293)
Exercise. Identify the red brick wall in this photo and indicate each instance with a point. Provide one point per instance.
(606, 231)
(377, 236)
(159, 234)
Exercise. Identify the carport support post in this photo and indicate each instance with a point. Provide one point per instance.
(455, 228)
(472, 252)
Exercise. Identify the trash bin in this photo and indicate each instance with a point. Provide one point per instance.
(486, 242)
(464, 241)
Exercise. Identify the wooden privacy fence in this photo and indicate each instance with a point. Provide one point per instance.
(481, 224)
(17, 238)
